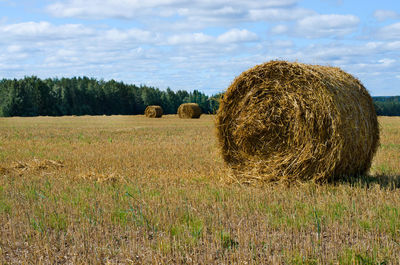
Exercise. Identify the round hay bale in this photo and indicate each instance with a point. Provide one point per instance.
(153, 111)
(293, 121)
(189, 111)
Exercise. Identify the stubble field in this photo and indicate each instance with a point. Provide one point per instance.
(133, 190)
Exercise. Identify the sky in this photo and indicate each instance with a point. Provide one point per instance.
(198, 44)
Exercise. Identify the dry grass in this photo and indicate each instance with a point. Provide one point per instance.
(189, 111)
(153, 111)
(132, 190)
(282, 121)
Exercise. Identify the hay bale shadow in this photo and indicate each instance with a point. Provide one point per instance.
(390, 182)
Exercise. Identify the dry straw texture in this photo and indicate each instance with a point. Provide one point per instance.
(153, 112)
(292, 121)
(189, 111)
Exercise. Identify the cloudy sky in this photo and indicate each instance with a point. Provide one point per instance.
(198, 44)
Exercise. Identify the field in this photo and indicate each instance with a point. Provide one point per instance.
(133, 190)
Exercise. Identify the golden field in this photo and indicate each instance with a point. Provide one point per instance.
(134, 190)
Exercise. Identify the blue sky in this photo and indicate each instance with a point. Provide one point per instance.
(198, 44)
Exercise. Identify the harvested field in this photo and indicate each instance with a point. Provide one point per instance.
(133, 190)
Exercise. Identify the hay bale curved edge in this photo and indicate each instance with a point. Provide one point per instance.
(153, 111)
(293, 121)
(189, 111)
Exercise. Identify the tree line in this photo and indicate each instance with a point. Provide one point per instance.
(32, 96)
(387, 106)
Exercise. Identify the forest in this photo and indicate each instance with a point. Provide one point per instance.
(387, 106)
(32, 96)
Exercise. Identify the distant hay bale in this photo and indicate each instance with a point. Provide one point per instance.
(153, 111)
(189, 111)
(292, 121)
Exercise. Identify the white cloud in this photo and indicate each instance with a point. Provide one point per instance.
(139, 35)
(283, 44)
(44, 48)
(280, 29)
(382, 15)
(156, 53)
(130, 9)
(194, 38)
(394, 45)
(14, 48)
(237, 35)
(383, 46)
(223, 11)
(43, 29)
(184, 13)
(42, 33)
(386, 62)
(389, 32)
(373, 45)
(279, 14)
(229, 37)
(320, 26)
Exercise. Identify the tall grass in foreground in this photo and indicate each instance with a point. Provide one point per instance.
(131, 190)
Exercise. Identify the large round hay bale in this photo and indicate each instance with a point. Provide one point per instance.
(153, 111)
(293, 121)
(189, 111)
